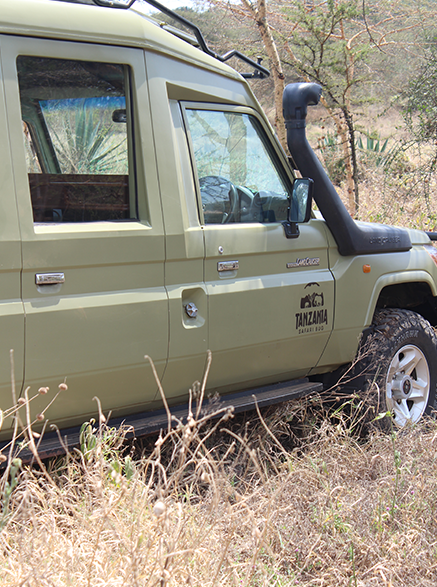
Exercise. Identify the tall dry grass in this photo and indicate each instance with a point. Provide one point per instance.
(292, 497)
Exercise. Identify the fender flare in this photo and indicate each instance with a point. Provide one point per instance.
(419, 276)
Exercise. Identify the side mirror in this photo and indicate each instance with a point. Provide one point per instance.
(300, 206)
(301, 200)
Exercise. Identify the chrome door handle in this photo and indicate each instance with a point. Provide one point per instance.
(227, 266)
(49, 278)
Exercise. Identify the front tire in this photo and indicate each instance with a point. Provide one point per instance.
(402, 362)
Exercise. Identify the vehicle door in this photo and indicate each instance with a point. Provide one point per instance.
(270, 298)
(11, 305)
(91, 223)
(184, 233)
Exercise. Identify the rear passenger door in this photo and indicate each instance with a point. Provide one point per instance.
(91, 223)
(11, 306)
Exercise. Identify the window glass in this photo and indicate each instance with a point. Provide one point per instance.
(75, 126)
(238, 176)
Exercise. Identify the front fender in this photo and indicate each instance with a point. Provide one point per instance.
(404, 277)
(359, 281)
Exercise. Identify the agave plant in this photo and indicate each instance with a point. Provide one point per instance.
(376, 147)
(85, 138)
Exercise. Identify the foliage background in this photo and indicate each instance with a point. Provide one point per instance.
(376, 63)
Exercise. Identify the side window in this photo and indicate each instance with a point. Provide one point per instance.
(76, 127)
(239, 177)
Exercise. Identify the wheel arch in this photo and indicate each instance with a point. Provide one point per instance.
(413, 290)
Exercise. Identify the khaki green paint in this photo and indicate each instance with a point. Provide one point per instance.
(113, 307)
(11, 305)
(252, 311)
(127, 283)
(357, 293)
(183, 233)
(97, 25)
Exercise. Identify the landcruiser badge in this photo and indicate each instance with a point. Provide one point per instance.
(313, 317)
(304, 263)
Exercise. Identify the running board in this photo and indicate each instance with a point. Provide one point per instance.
(152, 422)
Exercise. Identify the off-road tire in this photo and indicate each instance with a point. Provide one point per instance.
(400, 361)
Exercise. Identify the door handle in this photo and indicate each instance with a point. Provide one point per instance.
(49, 278)
(227, 265)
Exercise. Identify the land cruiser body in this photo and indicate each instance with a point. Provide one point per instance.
(148, 209)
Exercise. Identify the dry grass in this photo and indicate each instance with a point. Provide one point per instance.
(407, 198)
(242, 502)
(295, 497)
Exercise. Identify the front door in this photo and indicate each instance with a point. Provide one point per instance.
(270, 299)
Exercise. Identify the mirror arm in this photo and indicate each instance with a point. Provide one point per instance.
(291, 229)
(292, 163)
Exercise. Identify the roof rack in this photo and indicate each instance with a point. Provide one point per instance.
(260, 71)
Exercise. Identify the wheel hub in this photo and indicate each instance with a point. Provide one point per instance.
(401, 386)
(408, 385)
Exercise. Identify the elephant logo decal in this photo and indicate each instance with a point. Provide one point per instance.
(313, 299)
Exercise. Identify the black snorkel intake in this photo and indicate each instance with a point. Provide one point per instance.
(351, 238)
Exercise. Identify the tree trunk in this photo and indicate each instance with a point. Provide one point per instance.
(259, 14)
(351, 173)
(353, 157)
(345, 145)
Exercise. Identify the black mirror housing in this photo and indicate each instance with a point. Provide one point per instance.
(301, 200)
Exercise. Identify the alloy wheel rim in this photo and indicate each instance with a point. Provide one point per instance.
(407, 385)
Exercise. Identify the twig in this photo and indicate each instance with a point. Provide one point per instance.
(161, 390)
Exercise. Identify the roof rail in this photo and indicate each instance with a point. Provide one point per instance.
(260, 71)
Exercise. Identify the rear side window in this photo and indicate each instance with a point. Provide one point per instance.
(76, 128)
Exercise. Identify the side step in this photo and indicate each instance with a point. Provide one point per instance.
(152, 422)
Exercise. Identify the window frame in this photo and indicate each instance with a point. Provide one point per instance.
(138, 212)
(269, 140)
(47, 151)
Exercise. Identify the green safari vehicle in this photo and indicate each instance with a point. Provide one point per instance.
(148, 209)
